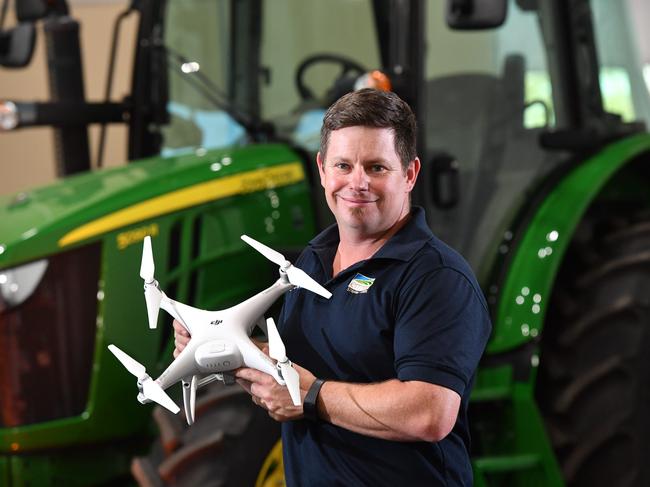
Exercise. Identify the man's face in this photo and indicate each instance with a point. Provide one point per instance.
(365, 185)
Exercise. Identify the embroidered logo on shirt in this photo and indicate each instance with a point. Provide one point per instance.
(360, 284)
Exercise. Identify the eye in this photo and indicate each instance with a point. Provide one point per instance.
(343, 166)
(378, 168)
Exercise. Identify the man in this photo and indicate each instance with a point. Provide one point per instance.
(396, 347)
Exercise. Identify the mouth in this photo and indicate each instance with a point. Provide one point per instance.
(351, 200)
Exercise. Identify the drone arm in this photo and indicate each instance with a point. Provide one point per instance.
(256, 359)
(168, 305)
(181, 312)
(181, 366)
(249, 311)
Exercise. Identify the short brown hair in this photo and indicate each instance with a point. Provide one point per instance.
(377, 109)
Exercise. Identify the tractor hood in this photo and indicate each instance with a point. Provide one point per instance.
(82, 208)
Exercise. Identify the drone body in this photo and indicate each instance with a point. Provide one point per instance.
(220, 340)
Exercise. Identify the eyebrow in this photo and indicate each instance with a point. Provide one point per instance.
(368, 162)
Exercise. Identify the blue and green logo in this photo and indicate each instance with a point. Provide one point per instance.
(360, 284)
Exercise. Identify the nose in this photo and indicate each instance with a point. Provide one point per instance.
(359, 179)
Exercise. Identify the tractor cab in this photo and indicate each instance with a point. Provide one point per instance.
(532, 132)
(500, 104)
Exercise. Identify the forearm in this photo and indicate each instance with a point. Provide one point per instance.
(391, 410)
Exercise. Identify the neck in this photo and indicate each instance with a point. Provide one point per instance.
(355, 246)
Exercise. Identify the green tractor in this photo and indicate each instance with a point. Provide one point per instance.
(536, 167)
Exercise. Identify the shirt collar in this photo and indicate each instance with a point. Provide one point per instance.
(401, 246)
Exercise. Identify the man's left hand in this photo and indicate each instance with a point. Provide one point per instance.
(268, 394)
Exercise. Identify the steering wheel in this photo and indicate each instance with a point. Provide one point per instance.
(348, 67)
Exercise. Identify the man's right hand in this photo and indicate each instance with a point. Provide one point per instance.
(181, 338)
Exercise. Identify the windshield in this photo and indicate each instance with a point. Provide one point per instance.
(623, 45)
(292, 59)
(216, 84)
(197, 38)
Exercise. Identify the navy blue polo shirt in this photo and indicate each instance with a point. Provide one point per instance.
(413, 311)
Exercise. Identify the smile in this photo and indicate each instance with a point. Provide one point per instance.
(357, 201)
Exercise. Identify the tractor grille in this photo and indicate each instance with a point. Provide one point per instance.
(47, 341)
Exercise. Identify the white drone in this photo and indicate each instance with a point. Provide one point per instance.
(219, 340)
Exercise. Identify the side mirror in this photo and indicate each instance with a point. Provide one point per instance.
(17, 45)
(30, 10)
(476, 14)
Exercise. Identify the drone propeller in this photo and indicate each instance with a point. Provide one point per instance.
(296, 276)
(150, 388)
(300, 278)
(152, 294)
(147, 266)
(153, 297)
(130, 364)
(152, 391)
(273, 255)
(278, 352)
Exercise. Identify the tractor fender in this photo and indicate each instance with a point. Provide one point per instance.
(525, 293)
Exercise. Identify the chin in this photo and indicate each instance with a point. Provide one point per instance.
(361, 221)
(357, 211)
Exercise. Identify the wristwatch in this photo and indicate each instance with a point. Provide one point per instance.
(309, 406)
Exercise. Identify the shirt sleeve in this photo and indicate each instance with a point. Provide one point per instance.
(441, 330)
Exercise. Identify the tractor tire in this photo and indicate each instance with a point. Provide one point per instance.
(593, 385)
(227, 446)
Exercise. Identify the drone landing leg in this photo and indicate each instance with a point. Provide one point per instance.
(189, 398)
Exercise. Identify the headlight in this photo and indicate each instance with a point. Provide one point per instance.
(48, 321)
(18, 284)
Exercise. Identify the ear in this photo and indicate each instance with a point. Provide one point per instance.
(412, 172)
(320, 162)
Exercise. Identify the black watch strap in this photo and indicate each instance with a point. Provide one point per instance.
(309, 405)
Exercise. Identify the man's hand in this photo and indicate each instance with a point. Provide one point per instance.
(268, 394)
(181, 338)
